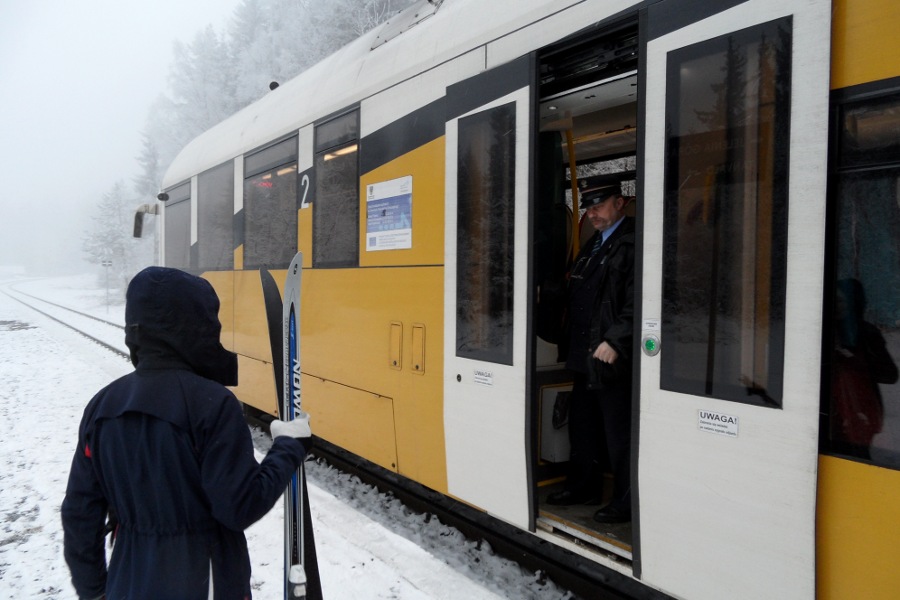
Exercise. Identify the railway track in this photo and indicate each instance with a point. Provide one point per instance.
(106, 333)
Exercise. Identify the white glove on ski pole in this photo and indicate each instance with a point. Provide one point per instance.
(296, 428)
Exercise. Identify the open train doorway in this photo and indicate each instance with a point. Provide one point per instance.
(588, 110)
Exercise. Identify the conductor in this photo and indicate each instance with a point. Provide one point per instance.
(601, 316)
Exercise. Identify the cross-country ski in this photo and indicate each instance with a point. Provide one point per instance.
(300, 548)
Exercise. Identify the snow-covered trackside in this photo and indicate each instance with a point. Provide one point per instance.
(369, 544)
(43, 389)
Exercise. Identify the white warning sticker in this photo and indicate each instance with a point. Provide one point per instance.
(713, 422)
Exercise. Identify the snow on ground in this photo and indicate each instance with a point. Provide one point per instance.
(369, 545)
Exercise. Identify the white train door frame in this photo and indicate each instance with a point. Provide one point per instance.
(486, 349)
(729, 400)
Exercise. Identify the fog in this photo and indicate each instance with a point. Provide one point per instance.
(76, 82)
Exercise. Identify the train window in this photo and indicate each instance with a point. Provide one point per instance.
(337, 131)
(336, 207)
(870, 132)
(178, 228)
(485, 228)
(270, 206)
(725, 221)
(215, 216)
(862, 397)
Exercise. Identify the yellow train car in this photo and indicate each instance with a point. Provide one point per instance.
(858, 483)
(426, 172)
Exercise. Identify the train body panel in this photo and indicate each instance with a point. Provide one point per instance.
(255, 384)
(349, 325)
(426, 176)
(865, 42)
(857, 529)
(223, 283)
(422, 170)
(357, 420)
(251, 329)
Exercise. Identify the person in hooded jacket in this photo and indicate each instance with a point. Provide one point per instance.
(165, 453)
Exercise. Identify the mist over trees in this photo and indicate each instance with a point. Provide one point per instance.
(218, 73)
(212, 77)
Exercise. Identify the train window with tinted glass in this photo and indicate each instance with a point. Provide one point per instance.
(336, 207)
(215, 217)
(178, 228)
(485, 229)
(861, 400)
(337, 131)
(270, 206)
(725, 221)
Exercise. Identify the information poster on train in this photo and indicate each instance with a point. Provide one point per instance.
(389, 215)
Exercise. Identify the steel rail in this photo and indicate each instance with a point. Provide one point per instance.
(77, 312)
(106, 345)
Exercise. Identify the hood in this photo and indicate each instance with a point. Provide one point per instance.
(172, 319)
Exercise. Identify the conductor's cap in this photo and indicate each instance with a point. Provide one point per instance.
(597, 194)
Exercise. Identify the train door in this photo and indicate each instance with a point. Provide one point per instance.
(488, 147)
(588, 130)
(730, 324)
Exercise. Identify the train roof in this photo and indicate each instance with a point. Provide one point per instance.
(376, 61)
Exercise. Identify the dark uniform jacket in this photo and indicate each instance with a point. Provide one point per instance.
(166, 450)
(601, 305)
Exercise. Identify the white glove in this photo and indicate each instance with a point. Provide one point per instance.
(297, 428)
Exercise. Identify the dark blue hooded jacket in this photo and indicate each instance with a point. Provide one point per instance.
(166, 450)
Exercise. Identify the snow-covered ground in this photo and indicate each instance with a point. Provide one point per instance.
(369, 545)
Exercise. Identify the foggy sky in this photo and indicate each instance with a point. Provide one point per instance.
(76, 81)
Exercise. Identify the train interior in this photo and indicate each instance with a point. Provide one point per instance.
(588, 124)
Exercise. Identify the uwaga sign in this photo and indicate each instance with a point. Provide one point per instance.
(713, 422)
